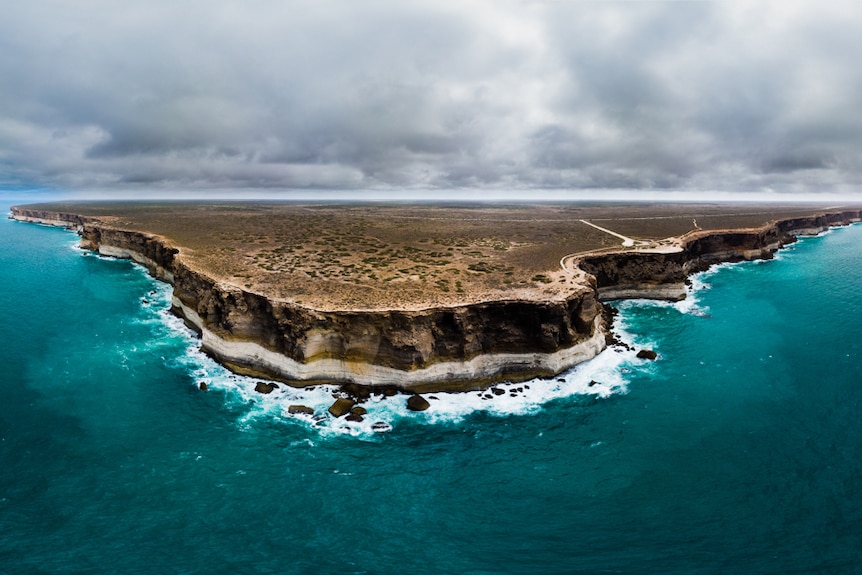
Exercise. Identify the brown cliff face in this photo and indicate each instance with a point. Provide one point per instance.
(403, 340)
(632, 269)
(67, 219)
(155, 249)
(642, 272)
(510, 339)
(406, 340)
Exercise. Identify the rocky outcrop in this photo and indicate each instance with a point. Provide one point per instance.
(456, 348)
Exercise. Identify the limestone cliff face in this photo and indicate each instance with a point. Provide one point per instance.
(647, 274)
(638, 275)
(60, 219)
(456, 347)
(459, 347)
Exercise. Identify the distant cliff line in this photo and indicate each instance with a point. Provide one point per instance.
(440, 348)
(629, 274)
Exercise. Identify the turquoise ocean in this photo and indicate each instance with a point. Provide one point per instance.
(738, 451)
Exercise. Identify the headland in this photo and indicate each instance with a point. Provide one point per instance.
(421, 297)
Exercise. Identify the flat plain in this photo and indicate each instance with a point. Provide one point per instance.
(390, 255)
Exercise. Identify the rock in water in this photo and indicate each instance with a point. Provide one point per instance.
(358, 411)
(203, 386)
(263, 387)
(300, 409)
(417, 403)
(647, 354)
(354, 417)
(341, 406)
(356, 391)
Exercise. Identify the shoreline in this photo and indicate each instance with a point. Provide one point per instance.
(454, 348)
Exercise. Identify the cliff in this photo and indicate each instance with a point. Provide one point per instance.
(459, 347)
(456, 347)
(661, 274)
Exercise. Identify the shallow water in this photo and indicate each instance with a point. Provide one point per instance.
(737, 451)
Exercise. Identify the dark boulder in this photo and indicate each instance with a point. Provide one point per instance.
(358, 411)
(417, 403)
(356, 391)
(264, 387)
(497, 391)
(203, 386)
(341, 406)
(354, 417)
(647, 354)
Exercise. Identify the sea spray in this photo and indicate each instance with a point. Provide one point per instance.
(600, 377)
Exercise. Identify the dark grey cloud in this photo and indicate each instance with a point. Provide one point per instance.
(100, 95)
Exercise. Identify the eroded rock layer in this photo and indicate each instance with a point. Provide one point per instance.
(456, 347)
(662, 274)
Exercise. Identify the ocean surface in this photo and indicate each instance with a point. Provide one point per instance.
(738, 451)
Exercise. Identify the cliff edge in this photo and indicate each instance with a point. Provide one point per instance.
(455, 347)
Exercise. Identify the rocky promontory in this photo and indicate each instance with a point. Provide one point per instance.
(457, 347)
(452, 347)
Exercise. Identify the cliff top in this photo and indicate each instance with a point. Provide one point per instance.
(382, 256)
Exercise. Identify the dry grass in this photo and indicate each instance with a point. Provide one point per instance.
(389, 255)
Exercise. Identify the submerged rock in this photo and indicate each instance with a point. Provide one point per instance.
(417, 403)
(647, 354)
(342, 406)
(300, 409)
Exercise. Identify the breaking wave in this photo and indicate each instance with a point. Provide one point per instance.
(602, 377)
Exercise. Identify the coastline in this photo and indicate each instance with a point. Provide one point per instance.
(453, 348)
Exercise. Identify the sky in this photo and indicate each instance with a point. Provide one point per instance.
(525, 97)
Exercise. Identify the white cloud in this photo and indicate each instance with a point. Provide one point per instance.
(389, 95)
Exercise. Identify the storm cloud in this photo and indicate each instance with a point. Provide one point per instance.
(269, 94)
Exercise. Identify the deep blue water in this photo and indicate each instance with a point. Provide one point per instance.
(738, 451)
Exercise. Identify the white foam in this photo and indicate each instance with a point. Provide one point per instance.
(601, 377)
(691, 305)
